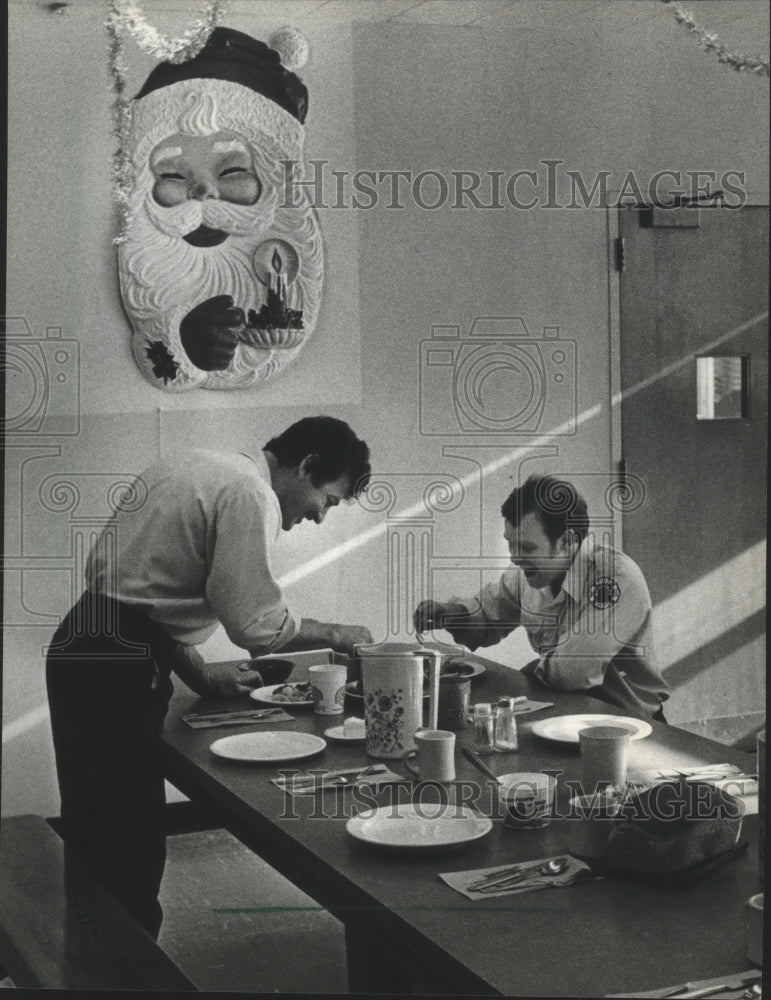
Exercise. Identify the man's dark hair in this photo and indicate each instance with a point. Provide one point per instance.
(336, 448)
(557, 504)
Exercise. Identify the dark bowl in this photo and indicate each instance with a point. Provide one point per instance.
(272, 670)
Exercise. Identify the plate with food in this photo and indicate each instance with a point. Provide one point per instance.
(352, 731)
(565, 728)
(297, 693)
(265, 748)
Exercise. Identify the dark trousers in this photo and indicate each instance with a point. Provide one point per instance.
(108, 692)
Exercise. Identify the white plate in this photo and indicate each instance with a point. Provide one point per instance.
(565, 728)
(337, 735)
(265, 696)
(265, 748)
(430, 826)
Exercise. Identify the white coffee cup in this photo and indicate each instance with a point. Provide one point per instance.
(435, 753)
(604, 756)
(327, 688)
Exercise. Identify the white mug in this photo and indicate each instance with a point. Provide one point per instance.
(435, 752)
(604, 756)
(327, 688)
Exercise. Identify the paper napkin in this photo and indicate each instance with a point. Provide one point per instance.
(726, 776)
(576, 871)
(524, 707)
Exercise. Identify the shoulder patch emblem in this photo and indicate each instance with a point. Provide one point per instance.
(604, 592)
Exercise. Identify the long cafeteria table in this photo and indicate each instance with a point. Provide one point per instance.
(408, 932)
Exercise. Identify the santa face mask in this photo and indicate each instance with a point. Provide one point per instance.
(220, 279)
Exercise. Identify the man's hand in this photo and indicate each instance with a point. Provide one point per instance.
(231, 680)
(345, 637)
(223, 681)
(209, 333)
(429, 615)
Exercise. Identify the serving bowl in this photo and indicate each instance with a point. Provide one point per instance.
(272, 669)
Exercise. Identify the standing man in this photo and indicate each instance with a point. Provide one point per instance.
(190, 548)
(585, 606)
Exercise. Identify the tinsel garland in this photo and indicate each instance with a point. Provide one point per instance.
(130, 17)
(125, 17)
(709, 41)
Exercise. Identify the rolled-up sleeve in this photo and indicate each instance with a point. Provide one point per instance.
(492, 614)
(613, 617)
(240, 585)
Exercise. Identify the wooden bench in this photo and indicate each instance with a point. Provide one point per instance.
(81, 939)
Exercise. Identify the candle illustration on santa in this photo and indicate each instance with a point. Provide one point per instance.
(220, 277)
(276, 325)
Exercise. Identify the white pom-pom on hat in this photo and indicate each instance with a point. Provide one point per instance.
(292, 46)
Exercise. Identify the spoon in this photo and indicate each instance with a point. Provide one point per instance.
(553, 867)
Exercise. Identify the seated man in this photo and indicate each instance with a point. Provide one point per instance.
(189, 549)
(585, 606)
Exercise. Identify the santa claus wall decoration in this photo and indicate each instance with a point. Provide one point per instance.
(220, 273)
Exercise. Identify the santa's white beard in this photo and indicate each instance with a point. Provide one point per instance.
(163, 277)
(161, 271)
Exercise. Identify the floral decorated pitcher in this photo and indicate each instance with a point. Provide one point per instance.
(392, 680)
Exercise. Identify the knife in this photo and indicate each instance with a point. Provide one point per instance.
(479, 764)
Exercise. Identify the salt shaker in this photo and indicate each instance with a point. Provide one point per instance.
(506, 738)
(484, 734)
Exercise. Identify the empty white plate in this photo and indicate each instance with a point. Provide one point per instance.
(407, 826)
(264, 748)
(565, 728)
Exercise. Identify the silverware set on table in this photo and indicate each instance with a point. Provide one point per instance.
(234, 713)
(218, 717)
(731, 983)
(744, 986)
(331, 779)
(519, 875)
